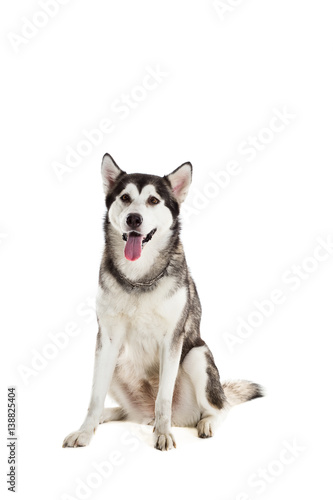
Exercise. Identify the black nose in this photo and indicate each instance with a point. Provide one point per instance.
(134, 220)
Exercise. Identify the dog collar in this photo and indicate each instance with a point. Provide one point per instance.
(138, 284)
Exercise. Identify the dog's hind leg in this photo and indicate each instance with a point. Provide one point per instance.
(200, 367)
(112, 415)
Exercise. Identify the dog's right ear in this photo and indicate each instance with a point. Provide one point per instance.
(110, 172)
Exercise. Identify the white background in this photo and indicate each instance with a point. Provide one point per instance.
(225, 76)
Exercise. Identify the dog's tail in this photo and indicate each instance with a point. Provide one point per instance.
(240, 391)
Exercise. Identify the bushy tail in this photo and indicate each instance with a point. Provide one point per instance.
(240, 391)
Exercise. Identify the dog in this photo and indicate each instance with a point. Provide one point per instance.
(149, 352)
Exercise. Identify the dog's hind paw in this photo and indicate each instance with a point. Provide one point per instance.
(77, 439)
(165, 442)
(205, 428)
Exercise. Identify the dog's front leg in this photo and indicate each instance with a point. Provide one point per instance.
(169, 366)
(107, 350)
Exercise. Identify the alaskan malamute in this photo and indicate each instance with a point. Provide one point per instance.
(149, 352)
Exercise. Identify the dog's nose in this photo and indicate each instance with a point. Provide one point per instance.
(134, 220)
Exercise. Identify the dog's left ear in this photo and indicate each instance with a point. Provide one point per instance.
(180, 180)
(110, 172)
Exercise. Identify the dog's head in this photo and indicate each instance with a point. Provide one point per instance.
(141, 206)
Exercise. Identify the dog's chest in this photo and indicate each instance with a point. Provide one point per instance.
(146, 326)
(148, 320)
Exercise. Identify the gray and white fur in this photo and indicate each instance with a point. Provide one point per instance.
(149, 355)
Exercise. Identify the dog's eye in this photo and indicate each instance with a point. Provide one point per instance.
(125, 198)
(153, 201)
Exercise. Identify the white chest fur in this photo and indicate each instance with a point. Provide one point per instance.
(141, 322)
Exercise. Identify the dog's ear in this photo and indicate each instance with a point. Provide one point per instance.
(180, 180)
(110, 172)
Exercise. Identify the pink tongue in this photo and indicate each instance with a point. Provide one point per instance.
(133, 247)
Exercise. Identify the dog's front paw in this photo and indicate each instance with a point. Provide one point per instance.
(77, 439)
(165, 442)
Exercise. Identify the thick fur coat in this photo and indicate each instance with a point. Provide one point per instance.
(150, 355)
